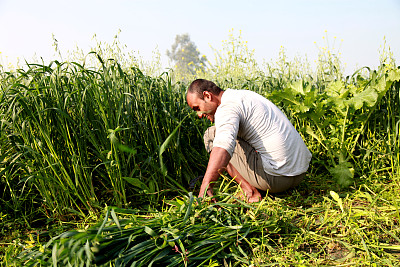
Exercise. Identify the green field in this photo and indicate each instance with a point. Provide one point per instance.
(96, 160)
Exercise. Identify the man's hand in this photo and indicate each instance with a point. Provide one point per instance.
(219, 159)
(209, 192)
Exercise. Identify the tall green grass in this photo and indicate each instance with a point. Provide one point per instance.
(82, 137)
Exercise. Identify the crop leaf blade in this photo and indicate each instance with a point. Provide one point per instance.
(136, 182)
(115, 218)
(150, 231)
(164, 145)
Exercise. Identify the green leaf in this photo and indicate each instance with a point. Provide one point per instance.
(343, 173)
(394, 75)
(297, 87)
(114, 140)
(368, 96)
(311, 132)
(127, 149)
(290, 99)
(87, 250)
(338, 102)
(310, 97)
(168, 140)
(54, 255)
(136, 182)
(115, 218)
(189, 208)
(150, 231)
(300, 108)
(334, 195)
(164, 145)
(104, 222)
(381, 85)
(336, 88)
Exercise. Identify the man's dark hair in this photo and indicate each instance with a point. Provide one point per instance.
(200, 85)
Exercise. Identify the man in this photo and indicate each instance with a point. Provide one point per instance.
(251, 139)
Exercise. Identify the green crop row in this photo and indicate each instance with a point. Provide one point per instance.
(73, 139)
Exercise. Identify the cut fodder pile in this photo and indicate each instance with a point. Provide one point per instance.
(189, 232)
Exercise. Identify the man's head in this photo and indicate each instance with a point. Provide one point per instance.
(204, 97)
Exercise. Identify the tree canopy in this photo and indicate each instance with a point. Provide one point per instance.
(185, 55)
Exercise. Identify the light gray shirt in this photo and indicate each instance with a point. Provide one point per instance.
(263, 125)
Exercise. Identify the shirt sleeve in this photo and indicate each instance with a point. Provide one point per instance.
(227, 120)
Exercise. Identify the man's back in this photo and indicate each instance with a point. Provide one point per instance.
(259, 122)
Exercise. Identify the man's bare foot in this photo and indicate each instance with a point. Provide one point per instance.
(255, 198)
(252, 197)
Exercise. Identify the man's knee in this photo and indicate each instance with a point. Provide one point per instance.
(208, 137)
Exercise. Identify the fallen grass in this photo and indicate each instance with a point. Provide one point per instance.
(303, 226)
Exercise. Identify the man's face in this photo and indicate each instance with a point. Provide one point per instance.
(205, 107)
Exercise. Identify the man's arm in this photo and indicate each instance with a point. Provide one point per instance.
(219, 159)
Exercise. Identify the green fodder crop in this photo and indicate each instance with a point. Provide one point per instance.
(187, 233)
(74, 139)
(357, 229)
(81, 137)
(338, 116)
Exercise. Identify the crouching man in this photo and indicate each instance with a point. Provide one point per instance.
(251, 139)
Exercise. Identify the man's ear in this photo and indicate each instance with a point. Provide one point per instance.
(207, 95)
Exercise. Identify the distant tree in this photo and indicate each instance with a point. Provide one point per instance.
(185, 55)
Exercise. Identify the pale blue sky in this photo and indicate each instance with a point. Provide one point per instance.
(27, 26)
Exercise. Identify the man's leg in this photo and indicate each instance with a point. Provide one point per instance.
(246, 166)
(248, 163)
(251, 193)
